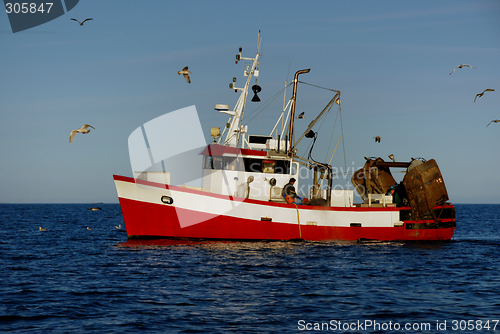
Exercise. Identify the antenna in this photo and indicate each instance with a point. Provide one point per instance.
(235, 131)
(258, 42)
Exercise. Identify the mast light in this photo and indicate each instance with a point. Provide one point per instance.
(238, 56)
(215, 132)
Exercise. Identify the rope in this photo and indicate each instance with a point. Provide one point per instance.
(309, 147)
(333, 90)
(298, 219)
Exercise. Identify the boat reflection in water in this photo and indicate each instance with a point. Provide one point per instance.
(159, 243)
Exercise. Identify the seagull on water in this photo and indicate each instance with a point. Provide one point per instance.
(377, 139)
(42, 229)
(185, 72)
(481, 94)
(84, 129)
(81, 23)
(88, 228)
(460, 66)
(494, 121)
(119, 226)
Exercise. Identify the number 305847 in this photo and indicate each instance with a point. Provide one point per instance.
(26, 7)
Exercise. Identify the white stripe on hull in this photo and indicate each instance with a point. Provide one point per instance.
(217, 205)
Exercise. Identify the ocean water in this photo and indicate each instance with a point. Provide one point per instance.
(69, 279)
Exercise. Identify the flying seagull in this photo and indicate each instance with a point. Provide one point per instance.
(377, 139)
(83, 130)
(460, 66)
(494, 121)
(481, 94)
(81, 23)
(185, 72)
(301, 115)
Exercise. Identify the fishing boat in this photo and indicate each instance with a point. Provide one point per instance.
(246, 193)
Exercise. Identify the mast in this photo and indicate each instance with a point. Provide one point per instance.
(292, 112)
(235, 129)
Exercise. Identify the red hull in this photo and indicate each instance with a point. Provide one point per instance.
(148, 220)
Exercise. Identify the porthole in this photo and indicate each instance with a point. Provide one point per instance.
(167, 199)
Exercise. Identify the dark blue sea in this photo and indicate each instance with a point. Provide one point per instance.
(82, 275)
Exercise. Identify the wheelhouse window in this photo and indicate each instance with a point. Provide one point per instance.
(282, 167)
(253, 165)
(268, 166)
(225, 163)
(208, 162)
(234, 163)
(246, 164)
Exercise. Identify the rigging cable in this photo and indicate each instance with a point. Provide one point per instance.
(341, 126)
(265, 105)
(333, 90)
(309, 156)
(331, 139)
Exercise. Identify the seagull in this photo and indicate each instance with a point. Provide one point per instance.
(42, 229)
(494, 121)
(481, 94)
(88, 228)
(95, 208)
(377, 139)
(460, 66)
(119, 226)
(185, 72)
(81, 23)
(301, 115)
(83, 130)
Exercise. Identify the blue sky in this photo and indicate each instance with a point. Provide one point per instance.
(390, 59)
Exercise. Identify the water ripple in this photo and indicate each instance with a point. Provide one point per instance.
(70, 279)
